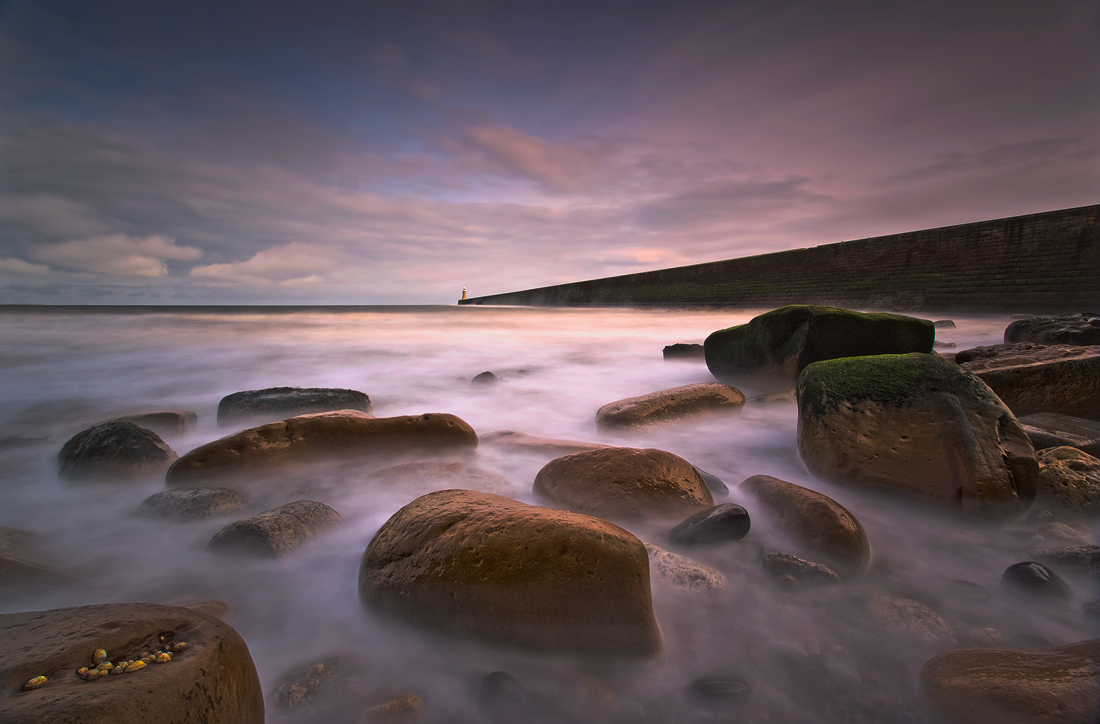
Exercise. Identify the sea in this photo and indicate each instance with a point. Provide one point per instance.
(810, 654)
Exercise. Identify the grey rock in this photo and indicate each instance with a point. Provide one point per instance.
(317, 687)
(193, 504)
(1073, 559)
(713, 482)
(944, 324)
(910, 620)
(721, 524)
(276, 532)
(681, 572)
(683, 351)
(782, 564)
(485, 378)
(1034, 580)
(277, 403)
(114, 451)
(718, 694)
(1082, 328)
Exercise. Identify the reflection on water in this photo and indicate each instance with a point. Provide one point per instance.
(810, 655)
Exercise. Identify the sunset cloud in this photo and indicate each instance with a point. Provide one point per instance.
(294, 264)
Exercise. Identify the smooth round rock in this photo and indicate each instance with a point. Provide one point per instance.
(1069, 480)
(213, 680)
(1050, 685)
(823, 527)
(504, 699)
(114, 451)
(1034, 580)
(624, 482)
(193, 504)
(485, 378)
(721, 524)
(276, 532)
(703, 398)
(276, 403)
(800, 569)
(485, 567)
(681, 572)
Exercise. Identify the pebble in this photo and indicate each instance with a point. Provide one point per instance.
(721, 524)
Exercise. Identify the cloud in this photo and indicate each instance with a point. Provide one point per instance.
(396, 69)
(19, 266)
(51, 215)
(295, 264)
(728, 200)
(556, 167)
(118, 255)
(999, 157)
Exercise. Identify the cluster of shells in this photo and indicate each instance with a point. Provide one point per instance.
(102, 667)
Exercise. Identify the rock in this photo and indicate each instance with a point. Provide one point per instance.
(207, 606)
(916, 424)
(780, 343)
(943, 345)
(1069, 480)
(114, 451)
(823, 527)
(481, 566)
(714, 483)
(910, 620)
(1073, 559)
(1050, 429)
(1062, 533)
(800, 569)
(718, 694)
(325, 436)
(1076, 329)
(24, 564)
(624, 482)
(704, 398)
(944, 324)
(1035, 581)
(317, 686)
(774, 398)
(522, 442)
(683, 351)
(485, 378)
(681, 572)
(276, 532)
(399, 710)
(1032, 378)
(166, 422)
(278, 403)
(1053, 685)
(434, 476)
(213, 680)
(721, 524)
(193, 504)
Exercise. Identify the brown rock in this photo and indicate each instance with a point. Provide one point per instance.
(277, 403)
(1050, 429)
(1069, 480)
(482, 566)
(704, 398)
(910, 620)
(316, 686)
(111, 451)
(1050, 685)
(213, 680)
(624, 482)
(193, 504)
(324, 436)
(399, 710)
(436, 476)
(276, 532)
(550, 446)
(824, 527)
(1079, 329)
(681, 351)
(165, 422)
(785, 566)
(1032, 378)
(681, 572)
(1083, 559)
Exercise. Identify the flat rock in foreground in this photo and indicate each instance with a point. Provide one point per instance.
(276, 403)
(1032, 378)
(212, 680)
(326, 436)
(704, 398)
(482, 566)
(1051, 685)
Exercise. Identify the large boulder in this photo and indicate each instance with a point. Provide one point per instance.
(277, 403)
(783, 341)
(1050, 685)
(824, 528)
(276, 532)
(212, 680)
(623, 482)
(481, 566)
(114, 450)
(1069, 480)
(325, 436)
(703, 398)
(1050, 429)
(919, 424)
(1080, 329)
(1032, 378)
(185, 505)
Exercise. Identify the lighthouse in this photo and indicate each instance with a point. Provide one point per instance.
(463, 292)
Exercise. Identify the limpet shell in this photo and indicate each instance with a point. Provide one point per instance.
(105, 666)
(35, 683)
(99, 657)
(163, 658)
(82, 670)
(136, 666)
(179, 646)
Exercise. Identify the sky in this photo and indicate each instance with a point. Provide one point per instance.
(368, 152)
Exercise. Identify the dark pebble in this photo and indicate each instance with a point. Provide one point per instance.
(485, 378)
(1035, 580)
(721, 524)
(713, 482)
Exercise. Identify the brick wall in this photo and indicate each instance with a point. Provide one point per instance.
(1044, 262)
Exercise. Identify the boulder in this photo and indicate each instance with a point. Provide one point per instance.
(325, 436)
(23, 562)
(721, 524)
(166, 422)
(1050, 429)
(319, 687)
(193, 504)
(436, 476)
(783, 341)
(704, 398)
(1069, 481)
(276, 532)
(824, 528)
(1032, 378)
(785, 565)
(917, 424)
(681, 572)
(1077, 329)
(1050, 685)
(277, 403)
(1035, 581)
(910, 620)
(1084, 559)
(481, 566)
(550, 446)
(114, 451)
(623, 482)
(212, 680)
(683, 351)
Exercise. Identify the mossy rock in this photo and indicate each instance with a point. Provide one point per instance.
(782, 342)
(919, 424)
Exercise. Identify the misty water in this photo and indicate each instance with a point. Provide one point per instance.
(810, 654)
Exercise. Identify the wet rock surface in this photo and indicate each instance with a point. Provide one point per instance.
(1082, 328)
(1034, 580)
(276, 403)
(714, 483)
(624, 483)
(677, 403)
(114, 451)
(193, 504)
(681, 572)
(276, 532)
(213, 680)
(1050, 429)
(493, 569)
(721, 524)
(800, 569)
(1032, 378)
(682, 351)
(1069, 481)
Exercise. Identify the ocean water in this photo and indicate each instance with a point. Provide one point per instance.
(811, 654)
